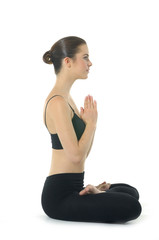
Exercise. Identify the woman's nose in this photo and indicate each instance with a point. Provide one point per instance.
(90, 63)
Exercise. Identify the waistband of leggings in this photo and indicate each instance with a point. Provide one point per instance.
(67, 176)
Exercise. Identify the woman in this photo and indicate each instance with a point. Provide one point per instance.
(64, 196)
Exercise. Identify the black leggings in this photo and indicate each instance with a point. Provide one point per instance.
(61, 200)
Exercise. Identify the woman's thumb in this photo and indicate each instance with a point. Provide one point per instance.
(81, 110)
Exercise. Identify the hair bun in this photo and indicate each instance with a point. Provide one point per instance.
(47, 57)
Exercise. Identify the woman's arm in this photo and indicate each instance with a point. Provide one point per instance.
(89, 115)
(90, 146)
(86, 140)
(75, 107)
(59, 114)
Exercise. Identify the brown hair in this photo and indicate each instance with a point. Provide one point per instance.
(65, 47)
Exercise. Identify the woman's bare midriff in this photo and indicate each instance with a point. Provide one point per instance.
(60, 164)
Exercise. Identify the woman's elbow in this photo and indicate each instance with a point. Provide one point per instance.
(77, 157)
(74, 154)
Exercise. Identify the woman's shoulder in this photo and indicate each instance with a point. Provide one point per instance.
(51, 95)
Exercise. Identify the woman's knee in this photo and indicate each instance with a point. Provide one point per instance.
(125, 188)
(127, 207)
(133, 209)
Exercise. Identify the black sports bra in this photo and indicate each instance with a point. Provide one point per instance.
(78, 124)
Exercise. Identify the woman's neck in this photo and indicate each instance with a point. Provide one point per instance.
(63, 85)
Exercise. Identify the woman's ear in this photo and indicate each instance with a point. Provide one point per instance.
(67, 62)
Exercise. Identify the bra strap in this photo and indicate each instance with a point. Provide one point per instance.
(49, 101)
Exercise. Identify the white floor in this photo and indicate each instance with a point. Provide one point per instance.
(30, 222)
(38, 226)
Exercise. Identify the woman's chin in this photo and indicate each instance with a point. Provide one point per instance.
(85, 77)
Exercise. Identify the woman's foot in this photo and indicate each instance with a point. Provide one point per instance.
(90, 189)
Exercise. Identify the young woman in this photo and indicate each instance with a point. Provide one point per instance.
(64, 196)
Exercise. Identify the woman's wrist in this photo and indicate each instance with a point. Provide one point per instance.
(91, 125)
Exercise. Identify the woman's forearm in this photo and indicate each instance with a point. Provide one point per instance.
(90, 146)
(86, 140)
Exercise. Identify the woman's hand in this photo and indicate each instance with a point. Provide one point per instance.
(90, 189)
(89, 113)
(103, 186)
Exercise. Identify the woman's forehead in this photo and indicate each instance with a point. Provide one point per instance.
(83, 49)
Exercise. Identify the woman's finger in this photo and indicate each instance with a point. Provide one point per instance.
(95, 104)
(86, 102)
(91, 101)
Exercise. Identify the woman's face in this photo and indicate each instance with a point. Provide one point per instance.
(81, 64)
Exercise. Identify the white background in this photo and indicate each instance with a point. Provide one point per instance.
(123, 41)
